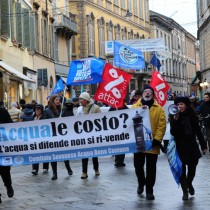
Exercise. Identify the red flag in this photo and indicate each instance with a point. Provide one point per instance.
(160, 87)
(113, 88)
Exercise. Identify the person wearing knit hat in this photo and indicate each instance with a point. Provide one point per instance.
(187, 133)
(146, 87)
(85, 96)
(14, 112)
(146, 177)
(184, 100)
(88, 107)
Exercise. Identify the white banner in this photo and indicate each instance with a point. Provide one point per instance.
(144, 45)
(76, 137)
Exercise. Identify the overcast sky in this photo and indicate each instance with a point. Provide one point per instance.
(182, 11)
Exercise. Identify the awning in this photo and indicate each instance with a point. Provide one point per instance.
(14, 72)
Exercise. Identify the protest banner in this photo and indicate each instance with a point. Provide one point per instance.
(76, 137)
(112, 90)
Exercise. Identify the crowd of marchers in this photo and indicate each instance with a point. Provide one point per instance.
(186, 126)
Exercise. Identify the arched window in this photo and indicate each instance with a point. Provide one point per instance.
(124, 33)
(109, 31)
(117, 32)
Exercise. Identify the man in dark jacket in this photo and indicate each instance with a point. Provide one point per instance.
(204, 110)
(5, 170)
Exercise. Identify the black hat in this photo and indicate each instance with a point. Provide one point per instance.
(148, 87)
(138, 92)
(184, 100)
(39, 106)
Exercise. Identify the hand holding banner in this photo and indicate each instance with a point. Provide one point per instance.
(112, 90)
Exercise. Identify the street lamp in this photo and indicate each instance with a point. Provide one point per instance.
(204, 84)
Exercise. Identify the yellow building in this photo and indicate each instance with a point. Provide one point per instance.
(34, 48)
(104, 20)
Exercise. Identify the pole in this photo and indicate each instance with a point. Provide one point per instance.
(64, 93)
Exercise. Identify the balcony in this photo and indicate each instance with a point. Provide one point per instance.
(65, 24)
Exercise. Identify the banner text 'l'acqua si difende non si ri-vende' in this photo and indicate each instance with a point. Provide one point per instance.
(66, 138)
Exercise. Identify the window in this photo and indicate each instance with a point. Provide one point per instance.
(91, 36)
(129, 6)
(117, 32)
(116, 2)
(124, 34)
(147, 10)
(135, 8)
(141, 11)
(4, 20)
(109, 31)
(123, 4)
(101, 38)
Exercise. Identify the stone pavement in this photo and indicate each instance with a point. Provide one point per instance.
(114, 189)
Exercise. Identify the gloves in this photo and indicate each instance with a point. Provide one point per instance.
(158, 143)
(155, 143)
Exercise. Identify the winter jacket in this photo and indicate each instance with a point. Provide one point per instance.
(185, 129)
(4, 116)
(28, 115)
(15, 114)
(157, 121)
(204, 109)
(90, 108)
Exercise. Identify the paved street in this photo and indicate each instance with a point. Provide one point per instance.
(114, 189)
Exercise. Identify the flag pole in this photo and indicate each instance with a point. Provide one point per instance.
(64, 93)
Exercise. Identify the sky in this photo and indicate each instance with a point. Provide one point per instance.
(182, 11)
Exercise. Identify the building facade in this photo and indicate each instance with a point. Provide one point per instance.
(28, 31)
(179, 61)
(105, 20)
(203, 22)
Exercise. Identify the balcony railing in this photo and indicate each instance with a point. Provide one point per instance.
(62, 21)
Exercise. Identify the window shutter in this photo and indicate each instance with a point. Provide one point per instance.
(33, 38)
(12, 20)
(19, 22)
(26, 27)
(4, 5)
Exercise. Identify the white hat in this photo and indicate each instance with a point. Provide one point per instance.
(85, 96)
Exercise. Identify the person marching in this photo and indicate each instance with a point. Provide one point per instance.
(185, 128)
(88, 107)
(5, 170)
(53, 111)
(39, 115)
(158, 126)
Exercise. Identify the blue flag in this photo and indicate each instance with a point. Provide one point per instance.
(59, 87)
(174, 160)
(155, 61)
(85, 71)
(127, 57)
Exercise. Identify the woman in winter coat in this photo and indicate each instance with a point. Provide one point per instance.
(185, 128)
(53, 111)
(39, 115)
